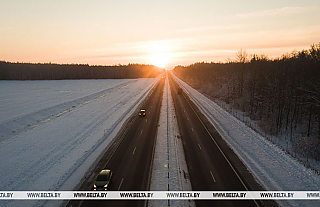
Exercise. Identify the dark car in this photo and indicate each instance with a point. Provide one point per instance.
(142, 112)
(103, 180)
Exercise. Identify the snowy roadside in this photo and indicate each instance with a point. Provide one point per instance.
(57, 154)
(271, 166)
(169, 171)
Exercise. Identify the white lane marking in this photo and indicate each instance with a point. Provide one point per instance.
(141, 131)
(214, 180)
(134, 150)
(120, 184)
(199, 146)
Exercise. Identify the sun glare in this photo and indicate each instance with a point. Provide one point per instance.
(159, 53)
(160, 59)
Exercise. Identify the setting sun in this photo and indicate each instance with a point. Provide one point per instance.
(159, 53)
(160, 59)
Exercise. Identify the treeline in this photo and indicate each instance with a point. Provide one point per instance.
(48, 71)
(282, 95)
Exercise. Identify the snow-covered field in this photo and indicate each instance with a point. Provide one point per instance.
(51, 132)
(169, 171)
(271, 166)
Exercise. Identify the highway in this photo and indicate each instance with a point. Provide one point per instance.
(130, 160)
(212, 165)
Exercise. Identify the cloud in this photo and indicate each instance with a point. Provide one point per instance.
(206, 29)
(278, 11)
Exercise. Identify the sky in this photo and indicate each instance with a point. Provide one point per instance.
(165, 33)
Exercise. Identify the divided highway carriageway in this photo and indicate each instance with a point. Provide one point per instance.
(212, 165)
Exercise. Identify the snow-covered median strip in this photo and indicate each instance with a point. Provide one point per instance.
(272, 167)
(169, 172)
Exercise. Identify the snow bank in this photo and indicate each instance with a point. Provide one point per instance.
(272, 167)
(62, 128)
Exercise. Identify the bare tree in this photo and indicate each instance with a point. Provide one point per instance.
(242, 56)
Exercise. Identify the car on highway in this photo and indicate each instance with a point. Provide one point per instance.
(103, 180)
(142, 112)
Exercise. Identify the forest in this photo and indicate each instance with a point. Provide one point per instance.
(280, 96)
(49, 71)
